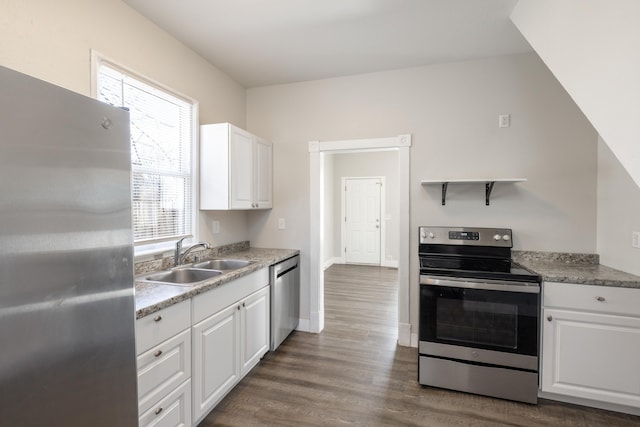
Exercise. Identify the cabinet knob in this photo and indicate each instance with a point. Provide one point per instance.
(157, 318)
(601, 299)
(549, 318)
(158, 353)
(238, 307)
(157, 411)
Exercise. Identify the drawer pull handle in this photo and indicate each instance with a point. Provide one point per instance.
(549, 318)
(158, 353)
(157, 411)
(601, 299)
(157, 318)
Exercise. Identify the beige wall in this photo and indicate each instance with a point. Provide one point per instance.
(451, 111)
(374, 164)
(52, 40)
(618, 213)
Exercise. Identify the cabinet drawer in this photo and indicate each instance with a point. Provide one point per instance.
(162, 369)
(174, 410)
(600, 299)
(208, 303)
(151, 330)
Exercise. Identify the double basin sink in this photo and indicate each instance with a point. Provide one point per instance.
(196, 272)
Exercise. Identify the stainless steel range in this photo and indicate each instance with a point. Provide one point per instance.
(479, 314)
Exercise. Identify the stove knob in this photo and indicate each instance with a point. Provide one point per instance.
(432, 236)
(497, 237)
(423, 234)
(506, 237)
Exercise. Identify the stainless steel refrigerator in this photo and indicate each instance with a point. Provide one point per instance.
(67, 345)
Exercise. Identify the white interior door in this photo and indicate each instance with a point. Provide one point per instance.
(362, 220)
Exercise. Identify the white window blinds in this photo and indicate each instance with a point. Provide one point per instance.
(161, 149)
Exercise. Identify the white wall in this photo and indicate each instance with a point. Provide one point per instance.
(52, 40)
(380, 163)
(618, 213)
(592, 46)
(451, 111)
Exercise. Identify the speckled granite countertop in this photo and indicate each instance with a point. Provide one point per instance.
(151, 297)
(574, 268)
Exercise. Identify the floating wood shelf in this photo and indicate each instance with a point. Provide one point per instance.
(488, 183)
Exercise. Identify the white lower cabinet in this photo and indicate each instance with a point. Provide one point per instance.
(191, 354)
(255, 329)
(163, 341)
(591, 343)
(216, 349)
(230, 337)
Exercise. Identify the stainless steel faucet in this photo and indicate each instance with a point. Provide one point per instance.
(180, 256)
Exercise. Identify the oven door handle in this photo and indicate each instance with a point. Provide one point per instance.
(523, 287)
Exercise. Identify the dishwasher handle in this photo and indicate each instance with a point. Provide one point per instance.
(280, 274)
(286, 266)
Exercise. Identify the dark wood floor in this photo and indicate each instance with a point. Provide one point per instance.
(353, 373)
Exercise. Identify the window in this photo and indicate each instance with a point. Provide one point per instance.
(162, 141)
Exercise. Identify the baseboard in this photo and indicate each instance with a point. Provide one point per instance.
(404, 334)
(316, 322)
(303, 325)
(414, 340)
(335, 260)
(390, 263)
(590, 403)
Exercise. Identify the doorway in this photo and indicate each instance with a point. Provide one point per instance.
(362, 230)
(402, 144)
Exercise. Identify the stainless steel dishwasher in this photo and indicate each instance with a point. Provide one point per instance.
(285, 299)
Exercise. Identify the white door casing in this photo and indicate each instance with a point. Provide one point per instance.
(402, 144)
(362, 213)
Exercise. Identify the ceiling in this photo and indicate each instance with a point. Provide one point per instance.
(265, 42)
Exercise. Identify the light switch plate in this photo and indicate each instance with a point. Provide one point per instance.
(215, 227)
(504, 120)
(281, 224)
(635, 239)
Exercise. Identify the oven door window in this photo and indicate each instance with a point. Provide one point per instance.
(493, 320)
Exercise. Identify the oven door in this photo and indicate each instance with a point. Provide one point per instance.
(488, 322)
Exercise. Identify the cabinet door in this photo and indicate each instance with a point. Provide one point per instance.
(592, 356)
(241, 168)
(216, 355)
(255, 328)
(263, 169)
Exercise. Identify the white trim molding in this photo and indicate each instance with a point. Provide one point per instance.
(401, 144)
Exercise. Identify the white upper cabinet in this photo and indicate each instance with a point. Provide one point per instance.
(235, 169)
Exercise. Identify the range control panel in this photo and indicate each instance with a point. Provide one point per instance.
(475, 236)
(464, 235)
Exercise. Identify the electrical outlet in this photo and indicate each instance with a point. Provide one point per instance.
(215, 227)
(635, 239)
(281, 224)
(504, 120)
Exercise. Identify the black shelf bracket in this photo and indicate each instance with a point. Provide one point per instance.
(488, 188)
(444, 192)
